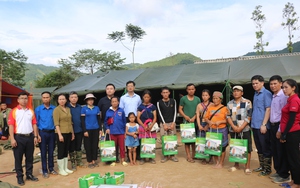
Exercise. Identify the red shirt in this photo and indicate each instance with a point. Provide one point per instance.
(292, 105)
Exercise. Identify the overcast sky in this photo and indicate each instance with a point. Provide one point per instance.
(47, 30)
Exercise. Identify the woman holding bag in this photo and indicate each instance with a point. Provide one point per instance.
(216, 119)
(115, 124)
(146, 118)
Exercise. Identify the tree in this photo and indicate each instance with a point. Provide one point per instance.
(291, 19)
(13, 64)
(133, 32)
(57, 78)
(91, 60)
(259, 19)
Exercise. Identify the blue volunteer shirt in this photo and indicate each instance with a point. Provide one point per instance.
(91, 117)
(76, 113)
(261, 101)
(44, 117)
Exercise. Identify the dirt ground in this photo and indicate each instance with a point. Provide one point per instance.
(168, 175)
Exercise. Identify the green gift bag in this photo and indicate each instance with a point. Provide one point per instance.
(117, 179)
(238, 150)
(107, 150)
(148, 148)
(213, 144)
(87, 180)
(187, 132)
(169, 145)
(200, 148)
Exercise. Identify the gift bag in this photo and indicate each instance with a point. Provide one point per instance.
(148, 148)
(107, 150)
(213, 144)
(238, 150)
(116, 179)
(87, 180)
(187, 132)
(169, 145)
(200, 148)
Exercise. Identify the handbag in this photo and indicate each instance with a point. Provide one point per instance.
(149, 121)
(213, 145)
(238, 150)
(110, 120)
(107, 150)
(148, 147)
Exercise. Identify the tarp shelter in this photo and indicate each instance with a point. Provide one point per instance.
(9, 94)
(177, 77)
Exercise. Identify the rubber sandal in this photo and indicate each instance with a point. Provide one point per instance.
(204, 162)
(248, 171)
(190, 160)
(232, 169)
(124, 163)
(284, 185)
(113, 164)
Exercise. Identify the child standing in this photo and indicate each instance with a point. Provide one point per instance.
(132, 140)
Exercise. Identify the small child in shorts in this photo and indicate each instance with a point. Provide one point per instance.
(132, 140)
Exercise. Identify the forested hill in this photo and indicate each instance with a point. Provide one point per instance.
(296, 48)
(35, 71)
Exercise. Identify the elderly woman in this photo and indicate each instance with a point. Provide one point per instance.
(64, 133)
(90, 121)
(216, 119)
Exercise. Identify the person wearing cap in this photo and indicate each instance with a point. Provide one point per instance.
(239, 116)
(90, 120)
(216, 119)
(75, 146)
(260, 124)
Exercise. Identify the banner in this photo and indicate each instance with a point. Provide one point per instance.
(187, 132)
(238, 150)
(213, 145)
(169, 145)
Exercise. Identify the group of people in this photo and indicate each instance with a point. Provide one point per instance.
(273, 119)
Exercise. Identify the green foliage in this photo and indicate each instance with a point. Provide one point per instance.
(34, 72)
(296, 48)
(259, 19)
(13, 66)
(133, 32)
(290, 23)
(179, 58)
(91, 61)
(57, 78)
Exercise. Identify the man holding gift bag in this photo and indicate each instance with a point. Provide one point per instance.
(167, 116)
(239, 116)
(187, 109)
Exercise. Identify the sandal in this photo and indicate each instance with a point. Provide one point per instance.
(124, 163)
(232, 169)
(91, 165)
(113, 164)
(204, 162)
(248, 171)
(190, 160)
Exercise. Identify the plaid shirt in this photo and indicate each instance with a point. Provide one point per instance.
(240, 112)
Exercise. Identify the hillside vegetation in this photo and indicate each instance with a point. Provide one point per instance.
(296, 48)
(35, 71)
